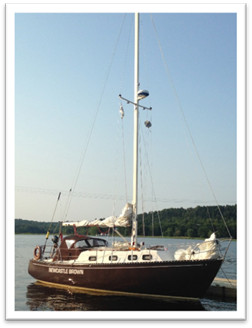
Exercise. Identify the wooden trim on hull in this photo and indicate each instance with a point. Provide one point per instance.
(171, 278)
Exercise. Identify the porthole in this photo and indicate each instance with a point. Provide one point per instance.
(147, 257)
(113, 258)
(132, 257)
(92, 258)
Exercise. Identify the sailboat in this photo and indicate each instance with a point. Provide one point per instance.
(82, 262)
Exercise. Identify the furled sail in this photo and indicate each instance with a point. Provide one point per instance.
(205, 250)
(112, 221)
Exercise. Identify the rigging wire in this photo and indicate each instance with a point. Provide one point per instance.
(141, 183)
(141, 134)
(120, 131)
(126, 57)
(93, 123)
(144, 62)
(152, 223)
(186, 124)
(124, 163)
(101, 195)
(231, 284)
(210, 217)
(116, 197)
(152, 184)
(48, 231)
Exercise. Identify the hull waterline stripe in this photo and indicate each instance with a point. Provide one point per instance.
(103, 291)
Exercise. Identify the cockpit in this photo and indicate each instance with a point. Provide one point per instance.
(71, 246)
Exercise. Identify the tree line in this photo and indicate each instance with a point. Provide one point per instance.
(200, 222)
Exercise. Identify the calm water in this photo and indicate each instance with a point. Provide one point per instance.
(29, 296)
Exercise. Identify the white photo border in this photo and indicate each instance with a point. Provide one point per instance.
(240, 10)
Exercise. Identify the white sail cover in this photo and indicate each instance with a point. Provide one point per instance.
(208, 249)
(112, 221)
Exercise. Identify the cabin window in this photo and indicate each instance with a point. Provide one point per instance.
(132, 257)
(92, 258)
(96, 242)
(81, 244)
(101, 243)
(69, 243)
(113, 258)
(147, 257)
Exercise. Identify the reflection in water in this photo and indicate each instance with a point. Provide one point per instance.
(212, 305)
(43, 298)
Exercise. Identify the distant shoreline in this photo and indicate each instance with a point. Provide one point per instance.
(191, 223)
(165, 237)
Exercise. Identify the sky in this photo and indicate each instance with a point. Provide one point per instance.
(69, 71)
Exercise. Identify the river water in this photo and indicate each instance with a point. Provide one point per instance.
(30, 296)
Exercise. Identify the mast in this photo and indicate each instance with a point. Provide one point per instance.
(135, 160)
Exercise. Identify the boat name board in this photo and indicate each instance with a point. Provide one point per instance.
(65, 271)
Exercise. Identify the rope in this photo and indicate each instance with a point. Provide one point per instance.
(187, 125)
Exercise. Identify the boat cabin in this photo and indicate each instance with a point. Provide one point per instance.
(71, 246)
